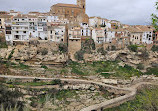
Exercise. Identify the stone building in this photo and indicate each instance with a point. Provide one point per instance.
(72, 12)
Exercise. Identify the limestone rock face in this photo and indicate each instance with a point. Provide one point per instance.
(125, 56)
(31, 53)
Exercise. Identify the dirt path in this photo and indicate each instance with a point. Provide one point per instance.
(107, 104)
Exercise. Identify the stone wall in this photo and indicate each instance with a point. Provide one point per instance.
(73, 47)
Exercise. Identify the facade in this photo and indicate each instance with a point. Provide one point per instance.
(56, 33)
(147, 34)
(115, 24)
(98, 35)
(33, 25)
(20, 28)
(110, 35)
(42, 27)
(4, 17)
(135, 35)
(86, 31)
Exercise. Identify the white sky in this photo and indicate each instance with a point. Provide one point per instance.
(127, 11)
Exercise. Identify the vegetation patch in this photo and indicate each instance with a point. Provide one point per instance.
(146, 100)
(133, 48)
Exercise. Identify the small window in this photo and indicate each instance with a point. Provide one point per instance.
(24, 32)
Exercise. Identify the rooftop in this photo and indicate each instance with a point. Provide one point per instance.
(66, 5)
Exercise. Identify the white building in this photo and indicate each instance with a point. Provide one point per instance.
(20, 28)
(147, 34)
(56, 32)
(85, 30)
(8, 30)
(110, 35)
(42, 27)
(33, 25)
(98, 35)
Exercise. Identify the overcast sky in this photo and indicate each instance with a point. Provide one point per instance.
(127, 11)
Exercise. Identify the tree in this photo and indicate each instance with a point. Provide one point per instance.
(154, 48)
(10, 99)
(133, 48)
(155, 18)
(63, 48)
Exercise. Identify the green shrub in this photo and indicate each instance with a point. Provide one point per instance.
(88, 45)
(151, 71)
(44, 67)
(140, 66)
(113, 47)
(56, 82)
(154, 48)
(10, 99)
(23, 66)
(3, 42)
(43, 51)
(102, 51)
(36, 80)
(63, 48)
(11, 54)
(80, 55)
(133, 48)
(76, 71)
(144, 55)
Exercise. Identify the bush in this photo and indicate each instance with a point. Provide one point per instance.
(76, 71)
(11, 54)
(44, 67)
(10, 99)
(56, 82)
(133, 48)
(102, 51)
(140, 66)
(154, 48)
(3, 42)
(151, 71)
(80, 55)
(113, 47)
(63, 48)
(36, 80)
(88, 45)
(145, 54)
(43, 51)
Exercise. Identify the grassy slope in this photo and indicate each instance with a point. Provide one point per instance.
(146, 100)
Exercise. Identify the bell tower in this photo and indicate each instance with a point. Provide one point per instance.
(82, 4)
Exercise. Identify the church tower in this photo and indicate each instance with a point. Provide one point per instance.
(82, 4)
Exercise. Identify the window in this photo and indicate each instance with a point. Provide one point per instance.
(17, 31)
(24, 32)
(23, 19)
(8, 32)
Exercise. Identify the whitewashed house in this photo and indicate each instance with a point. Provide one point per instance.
(147, 34)
(98, 35)
(42, 27)
(33, 24)
(20, 28)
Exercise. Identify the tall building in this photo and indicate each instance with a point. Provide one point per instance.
(72, 12)
(82, 4)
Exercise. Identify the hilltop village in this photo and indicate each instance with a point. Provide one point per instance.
(64, 60)
(69, 23)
